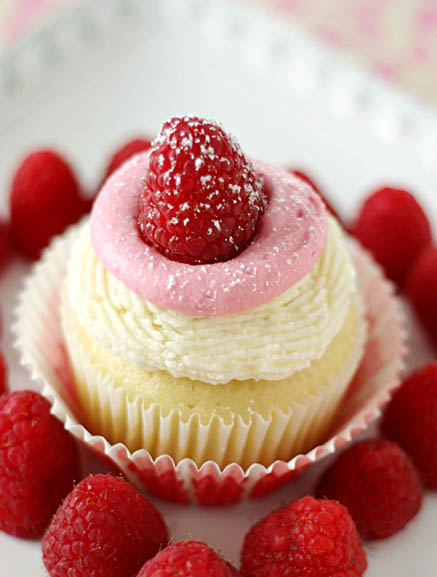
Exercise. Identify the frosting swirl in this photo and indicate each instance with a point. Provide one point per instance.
(289, 241)
(270, 342)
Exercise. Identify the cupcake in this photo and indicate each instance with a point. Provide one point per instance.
(210, 308)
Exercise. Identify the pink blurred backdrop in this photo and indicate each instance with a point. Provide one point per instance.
(395, 38)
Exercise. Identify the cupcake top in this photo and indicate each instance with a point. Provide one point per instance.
(267, 247)
(268, 311)
(270, 342)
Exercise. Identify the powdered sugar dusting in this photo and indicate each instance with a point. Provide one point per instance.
(283, 251)
(194, 161)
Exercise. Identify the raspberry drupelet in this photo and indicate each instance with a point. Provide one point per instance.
(378, 484)
(188, 559)
(129, 149)
(45, 198)
(395, 229)
(3, 375)
(411, 421)
(421, 288)
(38, 464)
(308, 538)
(202, 197)
(104, 528)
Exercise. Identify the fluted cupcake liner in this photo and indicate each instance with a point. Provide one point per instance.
(113, 411)
(39, 339)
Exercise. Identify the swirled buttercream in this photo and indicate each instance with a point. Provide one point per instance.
(269, 342)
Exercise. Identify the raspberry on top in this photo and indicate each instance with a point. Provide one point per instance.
(195, 227)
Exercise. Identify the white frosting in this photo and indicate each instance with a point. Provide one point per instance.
(270, 342)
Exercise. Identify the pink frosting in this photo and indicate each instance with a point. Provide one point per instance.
(290, 238)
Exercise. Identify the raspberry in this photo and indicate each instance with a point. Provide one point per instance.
(378, 484)
(421, 289)
(44, 200)
(3, 375)
(104, 528)
(308, 538)
(125, 152)
(202, 198)
(411, 421)
(187, 559)
(5, 243)
(393, 226)
(38, 464)
(309, 181)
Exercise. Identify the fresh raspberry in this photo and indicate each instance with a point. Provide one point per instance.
(3, 375)
(308, 538)
(104, 528)
(44, 200)
(187, 559)
(411, 421)
(5, 243)
(310, 181)
(421, 288)
(378, 484)
(38, 463)
(393, 226)
(125, 152)
(202, 198)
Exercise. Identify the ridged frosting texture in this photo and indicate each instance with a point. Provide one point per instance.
(245, 422)
(270, 342)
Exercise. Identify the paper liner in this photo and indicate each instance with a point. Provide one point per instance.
(108, 409)
(39, 339)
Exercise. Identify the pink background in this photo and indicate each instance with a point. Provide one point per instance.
(395, 38)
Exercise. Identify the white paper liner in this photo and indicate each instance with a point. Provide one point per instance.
(39, 339)
(108, 409)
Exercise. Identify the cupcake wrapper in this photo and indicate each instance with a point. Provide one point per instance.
(116, 416)
(39, 339)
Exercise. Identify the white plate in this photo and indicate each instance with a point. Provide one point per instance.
(113, 68)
